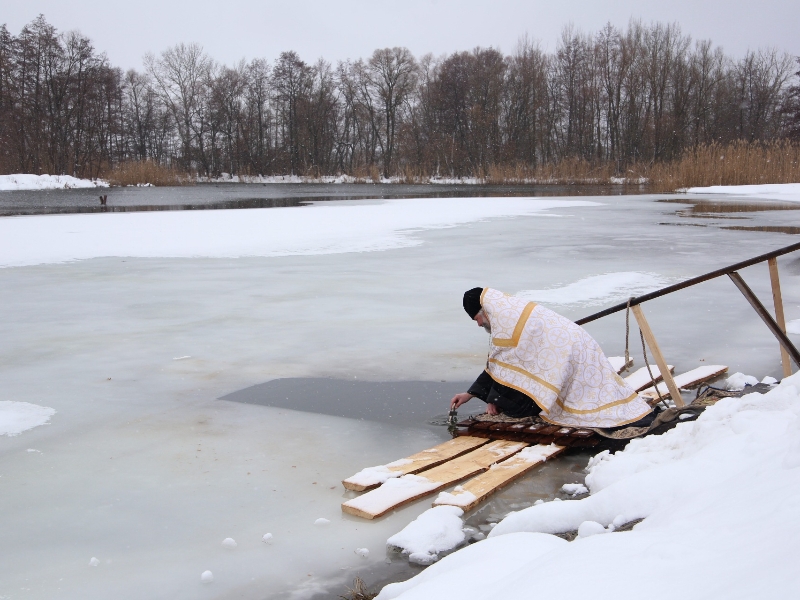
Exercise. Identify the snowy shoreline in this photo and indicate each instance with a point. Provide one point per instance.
(705, 495)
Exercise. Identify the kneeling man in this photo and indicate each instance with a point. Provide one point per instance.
(541, 363)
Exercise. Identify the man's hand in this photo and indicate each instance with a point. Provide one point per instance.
(459, 399)
(491, 409)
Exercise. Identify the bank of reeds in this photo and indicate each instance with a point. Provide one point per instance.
(143, 172)
(740, 163)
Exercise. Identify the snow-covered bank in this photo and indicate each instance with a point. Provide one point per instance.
(719, 497)
(22, 181)
(329, 228)
(16, 417)
(773, 191)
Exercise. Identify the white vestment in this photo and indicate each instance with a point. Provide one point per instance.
(557, 364)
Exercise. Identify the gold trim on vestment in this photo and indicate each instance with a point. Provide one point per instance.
(577, 411)
(519, 389)
(523, 318)
(483, 293)
(522, 371)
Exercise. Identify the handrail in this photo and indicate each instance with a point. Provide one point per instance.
(688, 283)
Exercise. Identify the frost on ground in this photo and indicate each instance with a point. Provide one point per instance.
(719, 497)
(775, 191)
(436, 530)
(598, 289)
(327, 228)
(9, 183)
(16, 417)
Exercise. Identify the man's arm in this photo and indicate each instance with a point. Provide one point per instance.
(479, 389)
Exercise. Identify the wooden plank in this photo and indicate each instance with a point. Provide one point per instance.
(618, 363)
(402, 490)
(640, 379)
(477, 489)
(650, 338)
(684, 380)
(780, 319)
(372, 477)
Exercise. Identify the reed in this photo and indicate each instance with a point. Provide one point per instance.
(142, 172)
(359, 591)
(740, 163)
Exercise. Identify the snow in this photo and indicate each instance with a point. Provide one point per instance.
(773, 191)
(21, 181)
(371, 476)
(362, 552)
(93, 562)
(793, 326)
(322, 521)
(436, 530)
(16, 417)
(393, 492)
(206, 577)
(229, 543)
(460, 497)
(267, 538)
(574, 489)
(720, 493)
(598, 289)
(326, 228)
(738, 381)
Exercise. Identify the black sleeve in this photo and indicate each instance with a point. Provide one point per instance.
(480, 389)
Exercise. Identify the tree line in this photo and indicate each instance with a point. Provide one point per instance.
(643, 94)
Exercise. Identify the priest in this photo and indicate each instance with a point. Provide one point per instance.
(541, 363)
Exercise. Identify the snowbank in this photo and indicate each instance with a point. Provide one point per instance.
(598, 289)
(16, 417)
(719, 497)
(9, 183)
(773, 191)
(327, 228)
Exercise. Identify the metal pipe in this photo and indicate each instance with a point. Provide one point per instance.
(688, 283)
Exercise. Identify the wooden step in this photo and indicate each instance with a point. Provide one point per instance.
(399, 491)
(689, 379)
(499, 475)
(618, 363)
(372, 477)
(640, 379)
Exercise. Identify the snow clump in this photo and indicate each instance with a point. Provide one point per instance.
(229, 543)
(206, 577)
(738, 381)
(16, 417)
(93, 562)
(436, 530)
(267, 538)
(322, 521)
(362, 552)
(574, 489)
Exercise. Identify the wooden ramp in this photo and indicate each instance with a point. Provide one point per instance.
(399, 491)
(372, 477)
(689, 379)
(499, 475)
(640, 379)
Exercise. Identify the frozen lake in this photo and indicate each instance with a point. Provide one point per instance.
(160, 338)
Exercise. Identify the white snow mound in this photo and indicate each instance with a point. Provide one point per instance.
(436, 530)
(738, 381)
(20, 181)
(16, 417)
(721, 494)
(598, 289)
(773, 191)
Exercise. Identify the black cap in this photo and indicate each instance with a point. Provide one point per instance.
(472, 301)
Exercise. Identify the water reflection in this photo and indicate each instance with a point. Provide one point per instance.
(720, 208)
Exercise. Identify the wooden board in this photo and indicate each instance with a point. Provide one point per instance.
(372, 477)
(618, 363)
(686, 380)
(640, 379)
(402, 490)
(477, 489)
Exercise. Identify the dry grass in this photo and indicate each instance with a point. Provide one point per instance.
(359, 591)
(741, 163)
(567, 171)
(143, 172)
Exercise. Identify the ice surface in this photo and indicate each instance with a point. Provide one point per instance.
(598, 289)
(793, 326)
(329, 228)
(436, 530)
(776, 191)
(16, 417)
(704, 489)
(46, 182)
(738, 381)
(144, 465)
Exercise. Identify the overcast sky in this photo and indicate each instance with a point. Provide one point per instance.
(233, 29)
